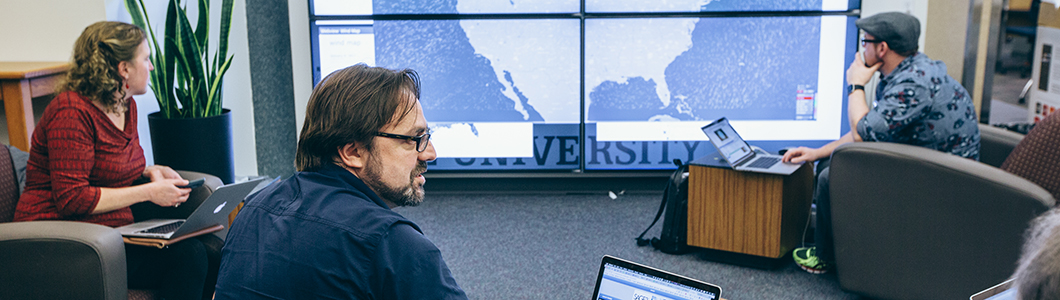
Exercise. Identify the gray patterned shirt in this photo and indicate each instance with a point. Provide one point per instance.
(919, 104)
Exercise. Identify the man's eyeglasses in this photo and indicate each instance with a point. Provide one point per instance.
(865, 41)
(421, 140)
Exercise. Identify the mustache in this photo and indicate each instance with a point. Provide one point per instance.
(420, 169)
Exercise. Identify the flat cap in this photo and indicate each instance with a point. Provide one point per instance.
(901, 31)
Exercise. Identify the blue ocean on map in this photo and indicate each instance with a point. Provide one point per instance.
(741, 68)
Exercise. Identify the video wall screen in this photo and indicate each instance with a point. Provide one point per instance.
(609, 6)
(435, 7)
(512, 86)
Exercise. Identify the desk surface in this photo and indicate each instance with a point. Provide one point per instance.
(23, 70)
(713, 160)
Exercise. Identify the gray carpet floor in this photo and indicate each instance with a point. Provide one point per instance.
(532, 246)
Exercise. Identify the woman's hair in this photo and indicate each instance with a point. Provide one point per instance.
(97, 52)
(1037, 274)
(350, 106)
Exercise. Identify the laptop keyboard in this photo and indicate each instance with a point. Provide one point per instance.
(164, 228)
(764, 162)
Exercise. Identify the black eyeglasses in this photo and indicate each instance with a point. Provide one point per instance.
(863, 41)
(421, 140)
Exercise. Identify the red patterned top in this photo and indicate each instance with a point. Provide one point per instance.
(75, 150)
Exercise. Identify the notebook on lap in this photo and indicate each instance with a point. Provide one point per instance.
(213, 211)
(739, 155)
(625, 280)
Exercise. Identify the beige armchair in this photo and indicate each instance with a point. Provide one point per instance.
(915, 223)
(996, 144)
(76, 260)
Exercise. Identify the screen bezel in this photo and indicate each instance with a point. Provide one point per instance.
(723, 123)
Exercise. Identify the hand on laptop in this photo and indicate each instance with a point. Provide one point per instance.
(801, 155)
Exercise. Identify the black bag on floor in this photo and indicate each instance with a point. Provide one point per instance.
(674, 237)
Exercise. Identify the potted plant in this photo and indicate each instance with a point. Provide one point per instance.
(191, 130)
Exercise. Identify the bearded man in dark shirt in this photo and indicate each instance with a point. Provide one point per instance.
(328, 232)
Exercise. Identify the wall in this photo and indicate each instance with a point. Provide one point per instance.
(44, 30)
(48, 29)
(301, 57)
(948, 40)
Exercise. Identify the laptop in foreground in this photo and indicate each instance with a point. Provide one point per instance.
(739, 155)
(621, 279)
(1001, 291)
(213, 211)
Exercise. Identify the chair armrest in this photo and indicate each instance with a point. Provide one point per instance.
(938, 225)
(147, 210)
(61, 260)
(996, 144)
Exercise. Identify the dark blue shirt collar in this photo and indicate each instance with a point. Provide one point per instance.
(333, 170)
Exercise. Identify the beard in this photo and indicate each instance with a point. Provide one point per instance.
(407, 195)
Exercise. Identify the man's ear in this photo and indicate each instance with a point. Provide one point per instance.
(883, 49)
(353, 155)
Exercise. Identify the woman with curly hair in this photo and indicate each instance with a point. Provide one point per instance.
(85, 155)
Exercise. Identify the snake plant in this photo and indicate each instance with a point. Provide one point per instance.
(186, 80)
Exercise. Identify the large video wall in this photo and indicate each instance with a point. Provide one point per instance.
(601, 85)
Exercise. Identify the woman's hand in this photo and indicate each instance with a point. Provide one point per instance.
(159, 172)
(166, 193)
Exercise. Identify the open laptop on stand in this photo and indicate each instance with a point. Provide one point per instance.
(213, 211)
(621, 279)
(739, 155)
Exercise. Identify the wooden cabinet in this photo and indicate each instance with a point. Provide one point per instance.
(749, 213)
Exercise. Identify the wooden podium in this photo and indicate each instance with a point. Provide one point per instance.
(749, 213)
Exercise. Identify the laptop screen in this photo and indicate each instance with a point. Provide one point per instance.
(727, 141)
(622, 280)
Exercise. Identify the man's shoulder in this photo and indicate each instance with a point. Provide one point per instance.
(410, 237)
(920, 73)
(312, 197)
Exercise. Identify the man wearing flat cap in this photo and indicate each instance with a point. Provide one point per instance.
(916, 103)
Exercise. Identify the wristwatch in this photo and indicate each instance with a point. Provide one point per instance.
(853, 87)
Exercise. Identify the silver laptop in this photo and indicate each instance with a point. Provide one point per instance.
(1001, 291)
(739, 155)
(214, 210)
(621, 279)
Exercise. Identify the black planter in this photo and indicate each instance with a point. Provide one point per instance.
(199, 144)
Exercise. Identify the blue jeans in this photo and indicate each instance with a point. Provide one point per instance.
(822, 234)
